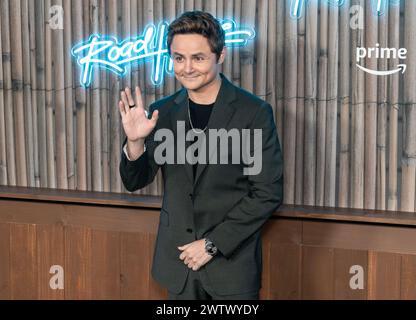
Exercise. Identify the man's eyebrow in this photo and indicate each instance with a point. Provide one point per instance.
(195, 54)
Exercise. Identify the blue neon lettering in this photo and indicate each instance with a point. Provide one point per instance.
(379, 7)
(107, 52)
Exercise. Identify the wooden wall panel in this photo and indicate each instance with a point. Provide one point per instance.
(133, 254)
(78, 275)
(105, 265)
(408, 277)
(109, 256)
(23, 261)
(317, 273)
(155, 289)
(359, 236)
(344, 259)
(284, 277)
(50, 252)
(384, 275)
(5, 288)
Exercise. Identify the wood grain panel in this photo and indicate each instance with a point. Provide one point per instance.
(78, 273)
(384, 275)
(344, 259)
(408, 277)
(156, 291)
(360, 236)
(317, 272)
(285, 272)
(135, 266)
(5, 261)
(50, 252)
(105, 264)
(23, 264)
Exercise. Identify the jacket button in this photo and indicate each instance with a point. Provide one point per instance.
(189, 230)
(191, 195)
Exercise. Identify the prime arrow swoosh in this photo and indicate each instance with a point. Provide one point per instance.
(401, 67)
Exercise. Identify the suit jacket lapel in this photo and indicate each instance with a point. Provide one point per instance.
(221, 114)
(180, 113)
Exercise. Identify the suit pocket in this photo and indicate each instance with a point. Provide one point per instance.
(164, 218)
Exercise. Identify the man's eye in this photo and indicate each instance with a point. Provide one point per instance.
(178, 59)
(199, 58)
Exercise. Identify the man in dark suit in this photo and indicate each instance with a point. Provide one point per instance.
(209, 242)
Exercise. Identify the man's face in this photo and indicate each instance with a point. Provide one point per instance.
(195, 65)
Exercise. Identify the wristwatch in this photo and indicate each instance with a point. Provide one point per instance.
(210, 248)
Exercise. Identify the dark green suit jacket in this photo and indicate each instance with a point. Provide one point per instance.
(221, 203)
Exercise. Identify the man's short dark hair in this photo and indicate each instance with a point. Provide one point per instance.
(202, 23)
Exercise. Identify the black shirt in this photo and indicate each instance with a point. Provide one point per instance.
(200, 114)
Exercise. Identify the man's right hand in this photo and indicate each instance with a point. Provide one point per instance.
(135, 122)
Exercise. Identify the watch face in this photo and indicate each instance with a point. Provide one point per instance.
(210, 248)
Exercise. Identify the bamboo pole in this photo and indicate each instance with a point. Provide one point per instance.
(261, 50)
(300, 113)
(198, 5)
(248, 17)
(141, 24)
(409, 121)
(157, 17)
(344, 105)
(3, 158)
(394, 39)
(332, 110)
(311, 59)
(188, 5)
(159, 92)
(125, 33)
(69, 96)
(30, 142)
(322, 105)
(279, 77)
(96, 153)
(34, 90)
(17, 83)
(382, 96)
(49, 101)
(40, 90)
(370, 113)
(290, 92)
(88, 143)
(105, 104)
(357, 122)
(169, 15)
(150, 92)
(271, 55)
(80, 102)
(8, 97)
(210, 6)
(59, 104)
(236, 70)
(115, 125)
(344, 97)
(228, 62)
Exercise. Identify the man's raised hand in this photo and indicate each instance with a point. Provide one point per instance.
(135, 122)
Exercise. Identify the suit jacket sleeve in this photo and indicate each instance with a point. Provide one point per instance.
(139, 173)
(265, 191)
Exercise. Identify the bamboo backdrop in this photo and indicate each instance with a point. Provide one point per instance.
(348, 138)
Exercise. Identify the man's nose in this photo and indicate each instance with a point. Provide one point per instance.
(188, 66)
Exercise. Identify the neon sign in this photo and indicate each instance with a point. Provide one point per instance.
(379, 7)
(109, 53)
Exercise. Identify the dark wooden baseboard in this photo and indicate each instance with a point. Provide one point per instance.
(104, 242)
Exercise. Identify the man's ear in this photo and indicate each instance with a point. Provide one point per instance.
(222, 55)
